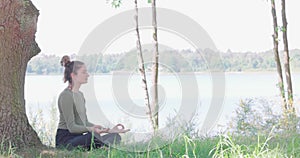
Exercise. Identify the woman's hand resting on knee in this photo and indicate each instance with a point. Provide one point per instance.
(119, 128)
(98, 129)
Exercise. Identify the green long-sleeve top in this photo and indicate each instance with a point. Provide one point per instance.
(72, 112)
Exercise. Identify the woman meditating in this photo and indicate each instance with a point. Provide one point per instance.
(74, 129)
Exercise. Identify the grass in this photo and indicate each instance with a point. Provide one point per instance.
(224, 146)
(181, 147)
(227, 148)
(6, 150)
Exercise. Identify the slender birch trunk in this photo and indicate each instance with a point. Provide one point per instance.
(142, 67)
(276, 55)
(287, 58)
(155, 65)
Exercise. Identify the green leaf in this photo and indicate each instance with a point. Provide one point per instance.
(116, 3)
(283, 29)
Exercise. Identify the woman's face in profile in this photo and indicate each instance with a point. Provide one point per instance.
(82, 75)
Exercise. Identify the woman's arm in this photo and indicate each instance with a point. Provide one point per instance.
(89, 124)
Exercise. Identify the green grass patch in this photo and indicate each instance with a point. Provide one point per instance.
(225, 146)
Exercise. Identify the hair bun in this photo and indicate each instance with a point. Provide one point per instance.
(65, 60)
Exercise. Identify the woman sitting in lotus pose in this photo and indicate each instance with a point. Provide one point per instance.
(74, 129)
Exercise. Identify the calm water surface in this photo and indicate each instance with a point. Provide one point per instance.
(119, 98)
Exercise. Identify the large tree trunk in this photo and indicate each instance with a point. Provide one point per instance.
(155, 105)
(287, 58)
(276, 55)
(141, 66)
(18, 21)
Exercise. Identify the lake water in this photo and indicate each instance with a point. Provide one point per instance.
(118, 98)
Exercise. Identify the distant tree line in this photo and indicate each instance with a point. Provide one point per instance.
(171, 61)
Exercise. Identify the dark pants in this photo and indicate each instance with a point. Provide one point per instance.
(65, 139)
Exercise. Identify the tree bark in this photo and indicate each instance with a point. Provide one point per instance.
(287, 57)
(155, 66)
(276, 55)
(142, 67)
(18, 21)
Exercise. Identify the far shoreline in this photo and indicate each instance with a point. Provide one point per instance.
(169, 73)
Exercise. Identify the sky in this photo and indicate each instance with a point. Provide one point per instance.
(238, 25)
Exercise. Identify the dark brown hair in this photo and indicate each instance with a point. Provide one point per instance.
(70, 67)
